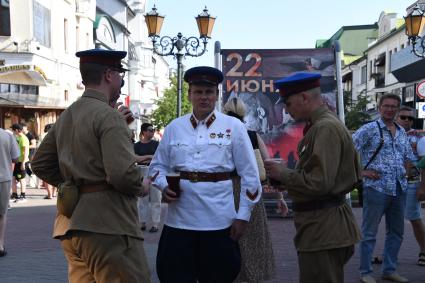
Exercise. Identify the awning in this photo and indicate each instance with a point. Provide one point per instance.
(24, 100)
(22, 75)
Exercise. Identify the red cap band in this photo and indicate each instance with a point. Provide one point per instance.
(297, 88)
(101, 60)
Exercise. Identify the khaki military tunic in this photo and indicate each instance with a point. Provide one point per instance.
(328, 167)
(90, 144)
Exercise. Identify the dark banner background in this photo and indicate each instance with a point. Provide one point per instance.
(249, 75)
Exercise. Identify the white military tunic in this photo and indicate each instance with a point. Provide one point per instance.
(221, 147)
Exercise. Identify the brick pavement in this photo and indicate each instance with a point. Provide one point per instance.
(35, 257)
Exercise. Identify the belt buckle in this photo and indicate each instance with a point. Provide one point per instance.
(194, 177)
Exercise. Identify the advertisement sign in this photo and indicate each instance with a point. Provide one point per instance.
(249, 74)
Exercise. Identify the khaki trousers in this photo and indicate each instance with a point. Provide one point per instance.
(94, 257)
(324, 266)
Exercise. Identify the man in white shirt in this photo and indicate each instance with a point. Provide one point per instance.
(199, 239)
(9, 152)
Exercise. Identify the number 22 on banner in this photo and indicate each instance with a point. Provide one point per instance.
(252, 71)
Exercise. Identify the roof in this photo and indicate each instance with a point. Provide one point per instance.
(327, 43)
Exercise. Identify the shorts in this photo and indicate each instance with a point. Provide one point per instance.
(18, 173)
(4, 196)
(413, 206)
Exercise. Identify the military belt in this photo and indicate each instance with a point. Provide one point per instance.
(93, 188)
(205, 176)
(317, 204)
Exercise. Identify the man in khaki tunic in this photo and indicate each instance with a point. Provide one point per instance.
(90, 146)
(327, 169)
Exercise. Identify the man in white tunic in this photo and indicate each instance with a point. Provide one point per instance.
(202, 227)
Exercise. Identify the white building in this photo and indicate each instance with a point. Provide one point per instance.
(39, 75)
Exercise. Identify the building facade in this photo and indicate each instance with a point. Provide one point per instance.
(39, 74)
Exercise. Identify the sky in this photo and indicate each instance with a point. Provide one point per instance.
(268, 24)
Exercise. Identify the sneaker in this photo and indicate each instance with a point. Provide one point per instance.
(367, 279)
(153, 229)
(395, 277)
(421, 260)
(3, 252)
(143, 228)
(21, 200)
(14, 196)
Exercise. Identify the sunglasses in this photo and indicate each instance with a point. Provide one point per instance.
(404, 118)
(150, 130)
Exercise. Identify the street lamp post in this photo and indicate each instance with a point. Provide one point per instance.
(414, 25)
(179, 46)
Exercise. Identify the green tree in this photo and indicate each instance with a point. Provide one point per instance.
(167, 105)
(355, 112)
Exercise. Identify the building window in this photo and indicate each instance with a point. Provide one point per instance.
(370, 68)
(363, 74)
(13, 88)
(4, 18)
(389, 59)
(77, 38)
(65, 35)
(41, 24)
(402, 46)
(395, 50)
(65, 95)
(87, 40)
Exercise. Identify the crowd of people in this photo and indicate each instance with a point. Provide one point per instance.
(215, 229)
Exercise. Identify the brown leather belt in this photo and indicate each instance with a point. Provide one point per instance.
(93, 188)
(317, 204)
(205, 176)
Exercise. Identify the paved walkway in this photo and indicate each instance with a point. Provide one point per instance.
(34, 257)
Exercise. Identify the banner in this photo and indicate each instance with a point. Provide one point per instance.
(249, 74)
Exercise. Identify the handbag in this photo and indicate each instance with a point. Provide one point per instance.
(260, 163)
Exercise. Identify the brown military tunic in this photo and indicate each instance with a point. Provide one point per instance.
(90, 143)
(328, 167)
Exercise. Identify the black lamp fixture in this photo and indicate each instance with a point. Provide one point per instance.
(179, 46)
(414, 25)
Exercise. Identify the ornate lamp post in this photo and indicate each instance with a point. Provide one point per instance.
(179, 46)
(414, 26)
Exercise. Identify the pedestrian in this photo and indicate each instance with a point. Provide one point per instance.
(32, 146)
(327, 169)
(19, 171)
(199, 238)
(89, 147)
(385, 148)
(405, 118)
(257, 258)
(49, 188)
(149, 205)
(9, 154)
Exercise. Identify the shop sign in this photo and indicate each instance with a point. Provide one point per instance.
(14, 68)
(421, 110)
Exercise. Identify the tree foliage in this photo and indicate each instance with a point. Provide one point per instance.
(355, 111)
(167, 105)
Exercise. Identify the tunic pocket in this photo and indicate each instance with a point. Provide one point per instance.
(179, 151)
(219, 151)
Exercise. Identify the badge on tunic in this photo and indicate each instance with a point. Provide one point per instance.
(252, 196)
(228, 136)
(228, 131)
(212, 135)
(220, 135)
